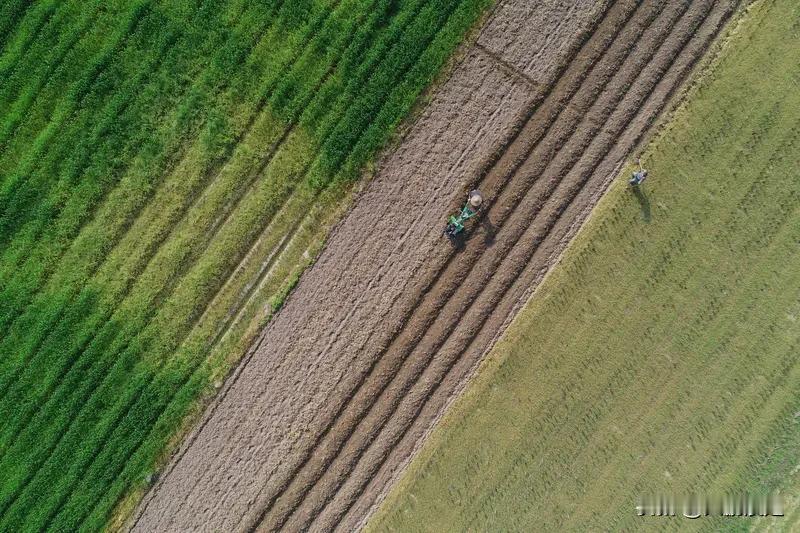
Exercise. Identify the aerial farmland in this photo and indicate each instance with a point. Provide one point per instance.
(229, 300)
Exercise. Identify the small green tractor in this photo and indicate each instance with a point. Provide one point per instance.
(455, 224)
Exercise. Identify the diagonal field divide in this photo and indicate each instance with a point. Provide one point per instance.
(335, 396)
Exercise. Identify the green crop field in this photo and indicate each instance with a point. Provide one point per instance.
(167, 170)
(662, 355)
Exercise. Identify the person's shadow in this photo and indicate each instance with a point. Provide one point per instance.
(644, 201)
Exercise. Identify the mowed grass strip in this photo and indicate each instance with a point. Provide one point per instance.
(157, 244)
(661, 354)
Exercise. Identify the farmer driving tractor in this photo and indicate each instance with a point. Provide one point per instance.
(455, 224)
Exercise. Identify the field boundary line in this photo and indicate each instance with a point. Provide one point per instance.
(272, 152)
(346, 402)
(218, 224)
(508, 68)
(407, 69)
(481, 291)
(404, 464)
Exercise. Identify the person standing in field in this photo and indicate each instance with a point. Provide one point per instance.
(639, 176)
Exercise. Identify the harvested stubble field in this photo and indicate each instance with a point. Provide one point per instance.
(167, 170)
(341, 387)
(661, 354)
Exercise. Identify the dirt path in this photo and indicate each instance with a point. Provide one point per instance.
(332, 401)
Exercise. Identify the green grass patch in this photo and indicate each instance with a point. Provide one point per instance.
(168, 169)
(661, 354)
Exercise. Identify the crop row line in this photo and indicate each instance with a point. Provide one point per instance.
(5, 388)
(506, 256)
(35, 236)
(340, 410)
(709, 37)
(190, 375)
(270, 154)
(50, 15)
(66, 44)
(492, 161)
(56, 318)
(23, 287)
(10, 15)
(25, 185)
(440, 378)
(125, 229)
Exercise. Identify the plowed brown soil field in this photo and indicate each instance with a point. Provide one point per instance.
(338, 392)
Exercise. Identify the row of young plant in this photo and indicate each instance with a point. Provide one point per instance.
(19, 35)
(112, 279)
(212, 211)
(115, 276)
(100, 151)
(123, 138)
(146, 169)
(154, 341)
(40, 55)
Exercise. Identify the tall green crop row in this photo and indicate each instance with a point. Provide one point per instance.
(42, 81)
(73, 200)
(153, 209)
(10, 14)
(36, 267)
(73, 208)
(116, 276)
(136, 187)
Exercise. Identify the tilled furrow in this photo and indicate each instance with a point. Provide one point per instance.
(538, 231)
(461, 336)
(544, 119)
(543, 189)
(594, 48)
(388, 325)
(421, 406)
